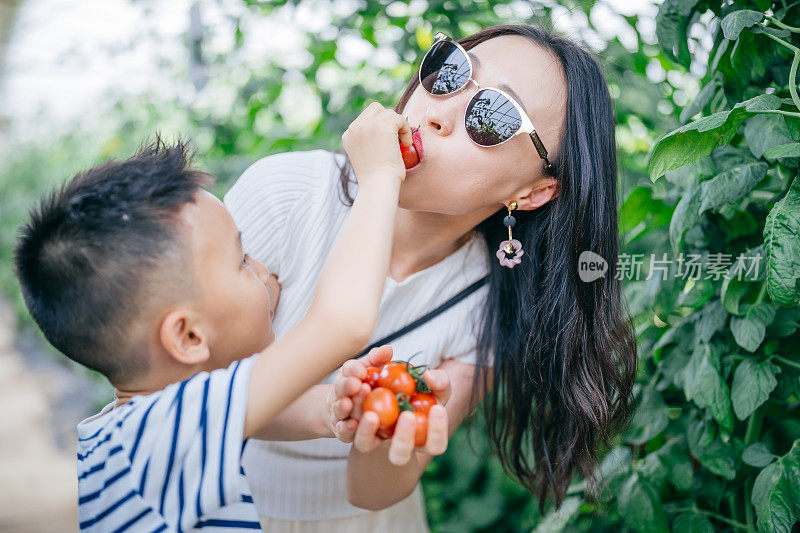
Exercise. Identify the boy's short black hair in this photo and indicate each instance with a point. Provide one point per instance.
(88, 258)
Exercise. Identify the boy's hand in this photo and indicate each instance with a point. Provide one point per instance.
(401, 445)
(349, 391)
(371, 144)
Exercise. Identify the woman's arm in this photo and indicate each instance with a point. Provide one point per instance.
(373, 482)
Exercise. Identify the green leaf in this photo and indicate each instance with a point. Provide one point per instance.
(671, 22)
(640, 506)
(692, 523)
(704, 385)
(786, 322)
(689, 143)
(733, 24)
(782, 244)
(749, 331)
(748, 334)
(783, 150)
(731, 186)
(676, 460)
(793, 125)
(764, 132)
(752, 384)
(757, 455)
(684, 217)
(776, 493)
(732, 291)
(556, 520)
(709, 450)
(650, 417)
(711, 321)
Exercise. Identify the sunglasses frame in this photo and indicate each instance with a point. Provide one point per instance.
(526, 126)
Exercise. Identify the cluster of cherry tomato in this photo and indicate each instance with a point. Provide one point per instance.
(398, 386)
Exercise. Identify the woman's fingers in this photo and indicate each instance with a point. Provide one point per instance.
(402, 444)
(438, 432)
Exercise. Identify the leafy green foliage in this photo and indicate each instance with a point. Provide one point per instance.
(782, 241)
(732, 176)
(776, 493)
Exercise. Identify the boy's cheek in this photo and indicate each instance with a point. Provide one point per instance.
(274, 291)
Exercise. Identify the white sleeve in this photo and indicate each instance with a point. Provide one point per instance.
(268, 195)
(193, 445)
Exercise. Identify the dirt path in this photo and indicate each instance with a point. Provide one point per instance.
(38, 487)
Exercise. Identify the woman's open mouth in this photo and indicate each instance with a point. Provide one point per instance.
(416, 143)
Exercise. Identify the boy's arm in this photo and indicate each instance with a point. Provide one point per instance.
(323, 410)
(373, 482)
(344, 310)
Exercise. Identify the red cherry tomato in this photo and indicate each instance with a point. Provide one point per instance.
(421, 434)
(422, 402)
(395, 377)
(383, 403)
(410, 156)
(372, 376)
(386, 433)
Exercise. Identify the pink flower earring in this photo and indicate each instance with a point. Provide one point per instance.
(510, 252)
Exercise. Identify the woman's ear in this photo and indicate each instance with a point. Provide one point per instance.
(542, 192)
(184, 338)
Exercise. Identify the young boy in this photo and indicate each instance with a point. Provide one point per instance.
(133, 270)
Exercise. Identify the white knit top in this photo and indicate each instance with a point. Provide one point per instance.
(290, 212)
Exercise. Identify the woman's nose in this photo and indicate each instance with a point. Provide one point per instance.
(440, 117)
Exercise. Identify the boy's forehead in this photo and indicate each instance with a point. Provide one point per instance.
(208, 221)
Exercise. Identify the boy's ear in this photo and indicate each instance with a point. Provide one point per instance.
(184, 338)
(545, 190)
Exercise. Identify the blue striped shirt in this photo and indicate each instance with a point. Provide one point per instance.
(170, 460)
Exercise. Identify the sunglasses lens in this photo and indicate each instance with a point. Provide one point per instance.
(445, 69)
(491, 118)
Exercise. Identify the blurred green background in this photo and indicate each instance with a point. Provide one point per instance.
(244, 79)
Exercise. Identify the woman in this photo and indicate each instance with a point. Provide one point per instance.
(558, 353)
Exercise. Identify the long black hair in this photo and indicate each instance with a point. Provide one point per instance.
(559, 353)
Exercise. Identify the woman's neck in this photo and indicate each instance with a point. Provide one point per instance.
(422, 239)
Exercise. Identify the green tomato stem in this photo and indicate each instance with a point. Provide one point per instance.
(762, 293)
(777, 112)
(753, 430)
(721, 518)
(787, 362)
(784, 43)
(793, 79)
(695, 509)
(781, 25)
(748, 506)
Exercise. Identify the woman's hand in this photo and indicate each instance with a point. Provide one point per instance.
(348, 392)
(371, 143)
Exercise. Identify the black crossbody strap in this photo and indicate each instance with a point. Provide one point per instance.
(417, 323)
